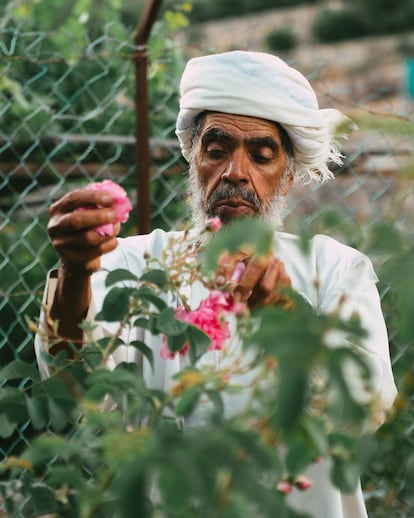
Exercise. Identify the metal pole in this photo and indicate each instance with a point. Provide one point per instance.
(143, 158)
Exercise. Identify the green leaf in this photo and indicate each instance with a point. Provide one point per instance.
(58, 414)
(37, 409)
(119, 275)
(345, 474)
(13, 404)
(146, 323)
(249, 233)
(168, 324)
(49, 446)
(176, 342)
(291, 396)
(132, 488)
(43, 500)
(52, 387)
(298, 457)
(157, 277)
(216, 399)
(116, 305)
(315, 431)
(18, 369)
(148, 295)
(199, 342)
(188, 401)
(145, 350)
(68, 475)
(6, 427)
(175, 486)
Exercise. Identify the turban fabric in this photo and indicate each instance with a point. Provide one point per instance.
(263, 86)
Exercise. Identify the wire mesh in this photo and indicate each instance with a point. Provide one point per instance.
(68, 120)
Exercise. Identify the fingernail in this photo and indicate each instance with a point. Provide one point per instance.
(106, 199)
(221, 280)
(238, 271)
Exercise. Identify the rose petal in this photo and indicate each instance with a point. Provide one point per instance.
(121, 205)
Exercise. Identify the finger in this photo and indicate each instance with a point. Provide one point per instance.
(81, 198)
(255, 269)
(79, 240)
(230, 266)
(84, 255)
(270, 287)
(226, 265)
(80, 220)
(117, 228)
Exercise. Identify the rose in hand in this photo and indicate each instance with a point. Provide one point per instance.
(121, 205)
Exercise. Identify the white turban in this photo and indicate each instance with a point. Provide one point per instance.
(263, 86)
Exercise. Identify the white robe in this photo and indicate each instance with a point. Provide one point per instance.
(327, 272)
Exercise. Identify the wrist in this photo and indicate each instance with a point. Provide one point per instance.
(74, 271)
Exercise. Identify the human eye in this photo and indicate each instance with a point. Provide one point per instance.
(214, 151)
(262, 155)
(261, 158)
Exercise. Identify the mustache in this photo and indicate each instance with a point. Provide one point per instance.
(223, 192)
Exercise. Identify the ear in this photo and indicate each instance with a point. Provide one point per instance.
(287, 185)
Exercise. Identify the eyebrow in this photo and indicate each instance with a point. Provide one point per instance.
(216, 135)
(264, 142)
(219, 135)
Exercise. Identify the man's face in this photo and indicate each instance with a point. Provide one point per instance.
(240, 166)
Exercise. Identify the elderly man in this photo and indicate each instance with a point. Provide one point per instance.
(249, 125)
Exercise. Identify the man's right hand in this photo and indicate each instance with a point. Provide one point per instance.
(73, 235)
(72, 231)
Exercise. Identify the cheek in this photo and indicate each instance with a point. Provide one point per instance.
(208, 176)
(267, 185)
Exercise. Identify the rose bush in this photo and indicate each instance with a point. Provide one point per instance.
(106, 440)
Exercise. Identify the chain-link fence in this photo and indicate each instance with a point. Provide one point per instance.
(67, 120)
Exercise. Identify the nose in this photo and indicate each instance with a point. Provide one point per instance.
(237, 167)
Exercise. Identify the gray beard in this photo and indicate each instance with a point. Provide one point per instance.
(272, 213)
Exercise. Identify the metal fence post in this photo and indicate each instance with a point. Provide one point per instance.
(143, 31)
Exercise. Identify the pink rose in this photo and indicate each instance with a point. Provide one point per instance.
(213, 224)
(166, 354)
(210, 317)
(303, 483)
(285, 487)
(121, 205)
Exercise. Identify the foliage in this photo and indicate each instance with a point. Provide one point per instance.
(388, 478)
(106, 437)
(72, 73)
(205, 10)
(281, 39)
(337, 25)
(386, 16)
(362, 18)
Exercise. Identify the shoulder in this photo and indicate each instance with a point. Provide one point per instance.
(329, 259)
(332, 255)
(317, 244)
(321, 247)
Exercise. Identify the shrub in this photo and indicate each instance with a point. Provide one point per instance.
(386, 16)
(281, 39)
(337, 25)
(205, 10)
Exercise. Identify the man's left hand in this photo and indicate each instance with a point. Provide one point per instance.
(261, 280)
